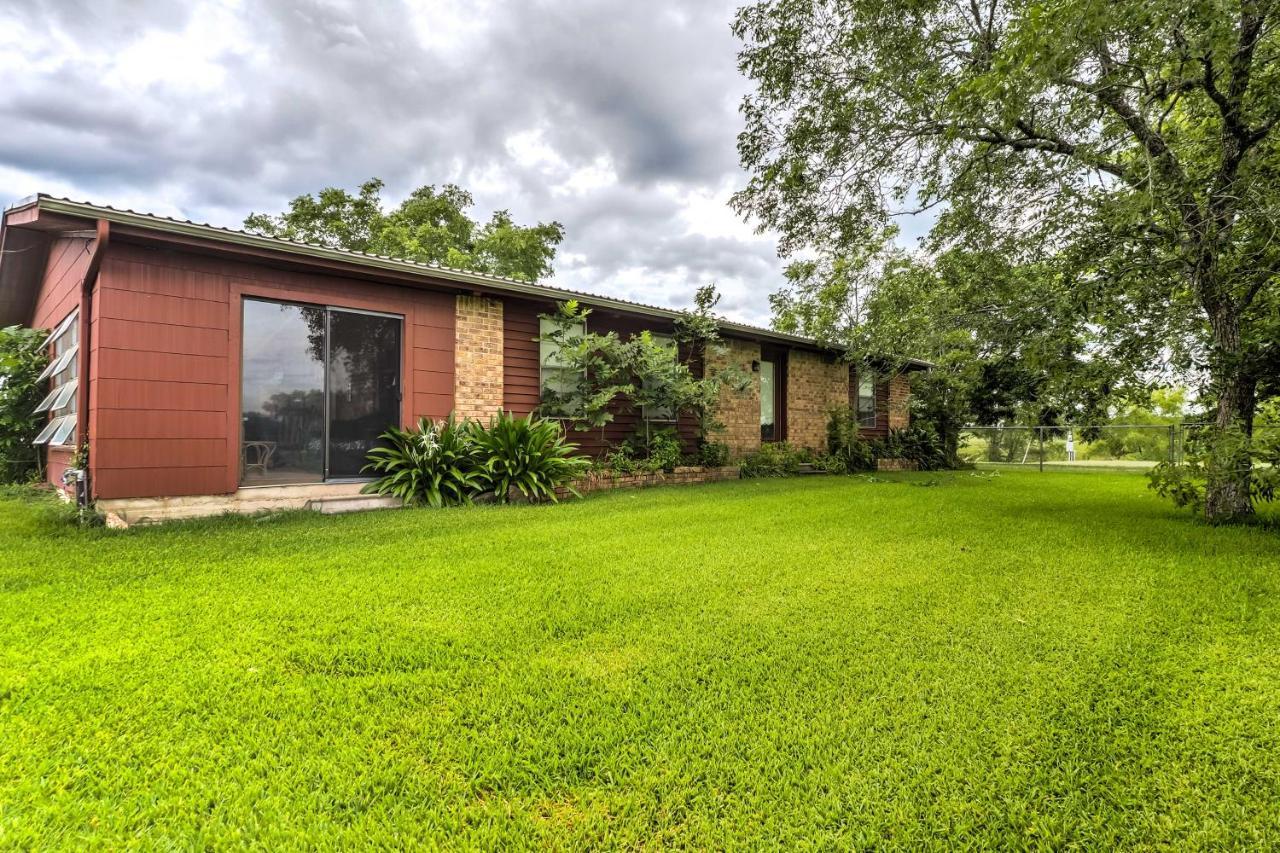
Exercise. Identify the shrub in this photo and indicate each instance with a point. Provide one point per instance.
(778, 459)
(22, 358)
(713, 454)
(847, 452)
(918, 443)
(438, 464)
(528, 454)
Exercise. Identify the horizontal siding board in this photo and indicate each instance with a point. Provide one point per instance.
(160, 482)
(158, 337)
(155, 308)
(432, 405)
(434, 361)
(160, 423)
(160, 452)
(155, 366)
(429, 382)
(172, 396)
(163, 279)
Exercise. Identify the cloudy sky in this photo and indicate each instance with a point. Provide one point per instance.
(617, 118)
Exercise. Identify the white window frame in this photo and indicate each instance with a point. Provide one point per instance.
(63, 375)
(868, 377)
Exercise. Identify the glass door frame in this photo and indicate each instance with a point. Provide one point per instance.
(328, 317)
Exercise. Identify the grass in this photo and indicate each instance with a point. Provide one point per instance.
(1012, 660)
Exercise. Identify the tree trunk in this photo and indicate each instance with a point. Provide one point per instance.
(1230, 469)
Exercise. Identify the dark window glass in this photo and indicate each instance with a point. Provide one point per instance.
(866, 399)
(282, 393)
(364, 386)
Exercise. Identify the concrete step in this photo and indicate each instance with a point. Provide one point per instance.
(351, 503)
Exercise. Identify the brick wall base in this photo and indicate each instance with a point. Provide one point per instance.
(603, 480)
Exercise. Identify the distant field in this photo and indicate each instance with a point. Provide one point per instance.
(975, 660)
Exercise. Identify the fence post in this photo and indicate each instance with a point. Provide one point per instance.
(1040, 432)
(1173, 456)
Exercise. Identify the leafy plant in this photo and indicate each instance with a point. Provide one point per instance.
(847, 451)
(918, 443)
(776, 459)
(529, 454)
(713, 454)
(438, 464)
(22, 358)
(1186, 483)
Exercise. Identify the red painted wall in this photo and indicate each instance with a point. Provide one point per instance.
(164, 402)
(59, 295)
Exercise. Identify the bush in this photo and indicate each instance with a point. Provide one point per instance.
(528, 454)
(774, 460)
(1207, 454)
(918, 443)
(847, 452)
(713, 454)
(22, 358)
(438, 464)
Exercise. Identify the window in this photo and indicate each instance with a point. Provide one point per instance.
(773, 394)
(866, 399)
(660, 413)
(63, 374)
(318, 387)
(558, 380)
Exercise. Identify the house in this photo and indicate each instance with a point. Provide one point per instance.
(212, 369)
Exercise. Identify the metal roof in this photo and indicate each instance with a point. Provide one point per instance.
(204, 230)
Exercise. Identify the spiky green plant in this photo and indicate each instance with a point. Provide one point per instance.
(530, 454)
(438, 464)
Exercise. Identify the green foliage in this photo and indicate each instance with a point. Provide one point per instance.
(847, 451)
(1206, 451)
(1117, 167)
(775, 459)
(22, 357)
(438, 464)
(530, 455)
(430, 226)
(918, 443)
(595, 374)
(713, 454)
(559, 677)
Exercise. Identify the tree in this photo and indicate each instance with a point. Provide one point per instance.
(1134, 138)
(429, 226)
(22, 358)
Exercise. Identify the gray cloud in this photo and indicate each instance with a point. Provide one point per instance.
(616, 118)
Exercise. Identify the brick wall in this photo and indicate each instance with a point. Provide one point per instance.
(900, 401)
(477, 356)
(738, 412)
(815, 386)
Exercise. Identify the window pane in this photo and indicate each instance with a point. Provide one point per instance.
(767, 416)
(866, 400)
(282, 393)
(49, 429)
(364, 387)
(661, 413)
(65, 432)
(556, 381)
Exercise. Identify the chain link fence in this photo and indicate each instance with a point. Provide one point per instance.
(1110, 446)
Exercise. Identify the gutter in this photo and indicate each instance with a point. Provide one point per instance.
(84, 489)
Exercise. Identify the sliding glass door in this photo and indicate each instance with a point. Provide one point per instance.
(318, 386)
(364, 386)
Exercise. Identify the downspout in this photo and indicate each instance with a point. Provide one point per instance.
(84, 487)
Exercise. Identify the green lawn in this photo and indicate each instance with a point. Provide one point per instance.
(1025, 659)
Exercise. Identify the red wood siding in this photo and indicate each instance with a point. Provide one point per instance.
(522, 382)
(165, 391)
